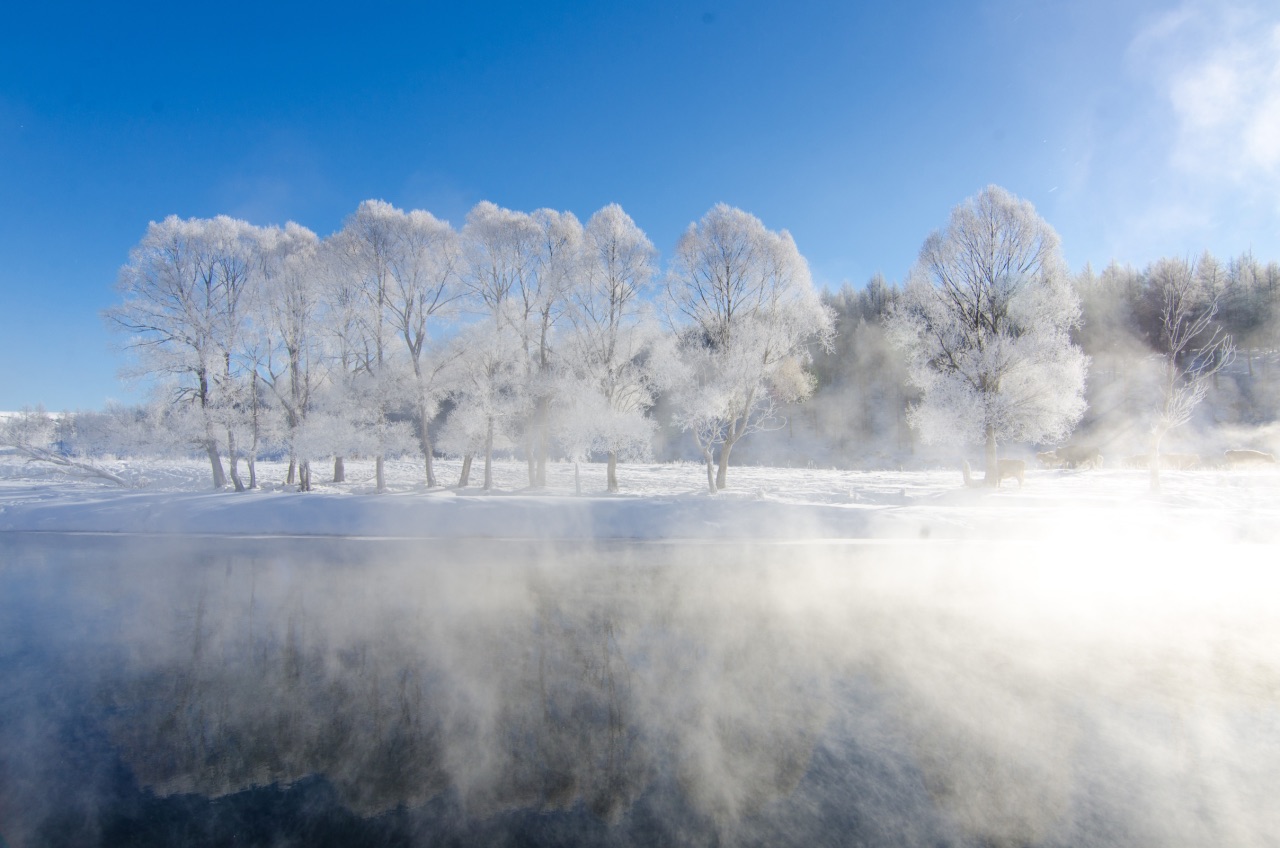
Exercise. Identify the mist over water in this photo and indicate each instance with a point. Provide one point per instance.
(200, 691)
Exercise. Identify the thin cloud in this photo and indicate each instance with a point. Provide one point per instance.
(1186, 154)
(1217, 66)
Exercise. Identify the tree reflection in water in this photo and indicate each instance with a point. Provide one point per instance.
(345, 692)
(536, 685)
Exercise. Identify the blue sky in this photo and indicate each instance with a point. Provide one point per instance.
(1138, 129)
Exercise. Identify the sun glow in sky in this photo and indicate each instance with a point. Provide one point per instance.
(1137, 128)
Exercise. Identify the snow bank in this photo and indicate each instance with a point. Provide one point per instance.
(660, 502)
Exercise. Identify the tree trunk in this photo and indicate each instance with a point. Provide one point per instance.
(577, 478)
(215, 463)
(711, 471)
(723, 471)
(339, 470)
(380, 472)
(543, 441)
(252, 459)
(488, 456)
(288, 480)
(465, 477)
(425, 443)
(903, 427)
(612, 472)
(531, 447)
(235, 471)
(304, 476)
(993, 465)
(210, 443)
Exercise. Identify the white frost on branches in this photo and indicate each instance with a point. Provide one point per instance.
(614, 359)
(530, 329)
(985, 323)
(747, 314)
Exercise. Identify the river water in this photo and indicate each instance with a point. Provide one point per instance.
(303, 691)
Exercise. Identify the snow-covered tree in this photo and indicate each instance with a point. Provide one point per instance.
(487, 374)
(376, 248)
(234, 247)
(613, 351)
(35, 434)
(119, 430)
(858, 411)
(425, 287)
(346, 355)
(286, 348)
(543, 298)
(464, 434)
(1192, 347)
(747, 313)
(985, 322)
(501, 249)
(1249, 308)
(182, 293)
(579, 423)
(519, 269)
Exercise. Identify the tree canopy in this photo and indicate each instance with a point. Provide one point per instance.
(985, 322)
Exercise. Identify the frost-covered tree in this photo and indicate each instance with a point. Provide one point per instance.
(41, 437)
(120, 430)
(613, 351)
(985, 322)
(390, 263)
(363, 251)
(1192, 347)
(519, 269)
(425, 265)
(487, 374)
(858, 412)
(579, 423)
(182, 292)
(234, 247)
(1250, 307)
(286, 343)
(346, 355)
(543, 299)
(501, 249)
(746, 311)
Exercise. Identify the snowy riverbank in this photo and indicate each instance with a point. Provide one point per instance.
(658, 502)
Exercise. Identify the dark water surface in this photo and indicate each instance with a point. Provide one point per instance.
(215, 691)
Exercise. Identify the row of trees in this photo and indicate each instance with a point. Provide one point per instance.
(521, 331)
(535, 334)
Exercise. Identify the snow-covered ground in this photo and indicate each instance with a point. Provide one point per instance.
(657, 502)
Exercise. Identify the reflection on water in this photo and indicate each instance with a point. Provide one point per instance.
(207, 691)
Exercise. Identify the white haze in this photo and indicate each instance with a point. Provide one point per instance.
(890, 656)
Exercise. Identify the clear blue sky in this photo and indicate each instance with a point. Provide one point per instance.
(1138, 129)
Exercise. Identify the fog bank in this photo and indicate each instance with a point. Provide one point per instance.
(1091, 693)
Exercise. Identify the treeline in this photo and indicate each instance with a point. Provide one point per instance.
(858, 414)
(538, 336)
(529, 333)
